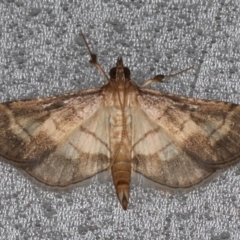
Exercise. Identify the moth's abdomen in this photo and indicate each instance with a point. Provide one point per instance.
(121, 155)
(121, 173)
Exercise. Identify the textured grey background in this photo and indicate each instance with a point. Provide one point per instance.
(42, 55)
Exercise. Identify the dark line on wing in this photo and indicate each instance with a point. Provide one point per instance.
(24, 130)
(95, 136)
(145, 135)
(75, 148)
(165, 147)
(57, 126)
(219, 127)
(214, 165)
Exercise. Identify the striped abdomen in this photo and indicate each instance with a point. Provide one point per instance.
(121, 155)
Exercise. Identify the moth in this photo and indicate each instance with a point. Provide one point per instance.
(122, 127)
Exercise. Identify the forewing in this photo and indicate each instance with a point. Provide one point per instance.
(158, 156)
(57, 140)
(191, 140)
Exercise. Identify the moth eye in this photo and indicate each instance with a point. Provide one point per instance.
(112, 73)
(126, 72)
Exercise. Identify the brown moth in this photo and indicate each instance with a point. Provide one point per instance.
(173, 140)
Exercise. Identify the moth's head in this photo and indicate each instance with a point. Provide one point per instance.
(119, 73)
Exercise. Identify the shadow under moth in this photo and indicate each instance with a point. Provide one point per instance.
(122, 127)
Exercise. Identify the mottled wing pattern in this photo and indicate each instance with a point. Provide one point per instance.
(181, 141)
(56, 140)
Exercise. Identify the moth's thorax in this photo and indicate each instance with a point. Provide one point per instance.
(121, 98)
(120, 91)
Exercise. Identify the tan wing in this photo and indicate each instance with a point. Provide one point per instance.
(181, 141)
(57, 140)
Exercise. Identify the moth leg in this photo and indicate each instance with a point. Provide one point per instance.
(159, 78)
(93, 59)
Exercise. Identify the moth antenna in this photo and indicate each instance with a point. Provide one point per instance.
(93, 57)
(159, 78)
